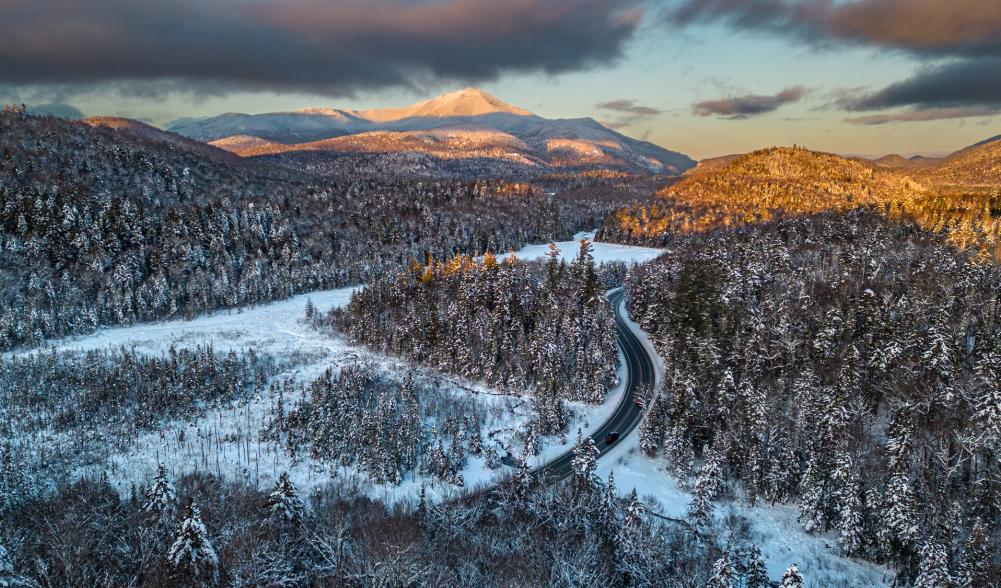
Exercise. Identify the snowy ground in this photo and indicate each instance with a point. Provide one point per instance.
(227, 441)
(602, 252)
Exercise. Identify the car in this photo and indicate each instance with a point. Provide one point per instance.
(611, 437)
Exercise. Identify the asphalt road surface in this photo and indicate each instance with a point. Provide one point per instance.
(640, 375)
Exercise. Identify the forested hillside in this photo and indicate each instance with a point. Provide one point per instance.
(843, 363)
(101, 226)
(957, 196)
(515, 325)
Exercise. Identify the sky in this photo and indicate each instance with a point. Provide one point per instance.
(704, 77)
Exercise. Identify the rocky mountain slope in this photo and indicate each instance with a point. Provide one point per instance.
(459, 125)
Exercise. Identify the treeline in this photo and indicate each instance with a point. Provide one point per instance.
(388, 429)
(101, 227)
(518, 326)
(200, 531)
(61, 410)
(843, 363)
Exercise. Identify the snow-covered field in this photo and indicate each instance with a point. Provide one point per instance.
(226, 440)
(602, 252)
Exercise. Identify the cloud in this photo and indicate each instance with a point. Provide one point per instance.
(57, 109)
(924, 115)
(333, 48)
(960, 40)
(629, 107)
(935, 28)
(962, 83)
(741, 107)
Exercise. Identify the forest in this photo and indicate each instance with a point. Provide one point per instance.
(104, 227)
(201, 531)
(515, 325)
(842, 363)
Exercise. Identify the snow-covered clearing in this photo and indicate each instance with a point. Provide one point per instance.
(226, 440)
(602, 252)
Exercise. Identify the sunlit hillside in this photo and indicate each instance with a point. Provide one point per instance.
(959, 196)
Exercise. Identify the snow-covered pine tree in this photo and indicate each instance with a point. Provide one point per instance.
(610, 506)
(284, 502)
(585, 462)
(987, 404)
(976, 566)
(899, 529)
(191, 553)
(723, 574)
(792, 578)
(492, 460)
(522, 479)
(708, 487)
(933, 569)
(783, 467)
(475, 439)
(653, 426)
(422, 505)
(631, 545)
(850, 517)
(531, 440)
(161, 495)
(12, 479)
(6, 568)
(756, 574)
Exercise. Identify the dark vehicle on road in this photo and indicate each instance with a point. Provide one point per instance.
(611, 437)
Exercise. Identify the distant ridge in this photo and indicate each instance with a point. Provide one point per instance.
(465, 124)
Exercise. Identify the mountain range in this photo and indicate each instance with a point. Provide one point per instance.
(465, 125)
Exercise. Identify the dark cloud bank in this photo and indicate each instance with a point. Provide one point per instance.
(960, 39)
(322, 46)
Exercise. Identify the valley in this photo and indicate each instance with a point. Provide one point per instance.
(784, 360)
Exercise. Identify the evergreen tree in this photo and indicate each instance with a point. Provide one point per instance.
(723, 574)
(899, 526)
(933, 570)
(191, 552)
(708, 487)
(987, 404)
(585, 456)
(976, 567)
(652, 427)
(791, 578)
(522, 479)
(284, 502)
(492, 460)
(161, 495)
(475, 440)
(756, 574)
(6, 568)
(632, 545)
(610, 506)
(531, 441)
(850, 522)
(422, 505)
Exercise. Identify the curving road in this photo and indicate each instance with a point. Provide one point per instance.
(640, 374)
